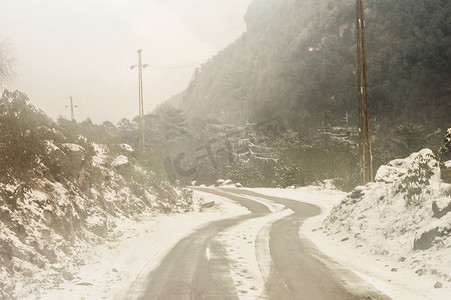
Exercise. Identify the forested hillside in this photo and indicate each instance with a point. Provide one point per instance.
(298, 60)
(280, 105)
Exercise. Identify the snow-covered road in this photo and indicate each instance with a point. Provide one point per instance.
(298, 270)
(236, 250)
(204, 264)
(198, 266)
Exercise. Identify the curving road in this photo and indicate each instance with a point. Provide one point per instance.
(187, 273)
(299, 270)
(291, 267)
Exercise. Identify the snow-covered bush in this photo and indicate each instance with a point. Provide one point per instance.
(187, 195)
(415, 184)
(445, 150)
(445, 158)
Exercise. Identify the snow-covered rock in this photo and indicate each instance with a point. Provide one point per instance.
(219, 182)
(127, 147)
(389, 174)
(398, 167)
(228, 182)
(447, 164)
(120, 160)
(73, 147)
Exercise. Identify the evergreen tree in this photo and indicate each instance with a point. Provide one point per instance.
(22, 146)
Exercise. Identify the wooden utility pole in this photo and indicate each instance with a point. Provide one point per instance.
(366, 155)
(141, 101)
(72, 115)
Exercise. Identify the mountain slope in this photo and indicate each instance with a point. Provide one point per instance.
(298, 60)
(60, 193)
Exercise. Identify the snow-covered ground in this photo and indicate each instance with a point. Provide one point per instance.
(385, 260)
(373, 229)
(48, 228)
(375, 269)
(110, 269)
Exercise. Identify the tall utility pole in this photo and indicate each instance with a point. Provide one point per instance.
(72, 116)
(141, 101)
(366, 155)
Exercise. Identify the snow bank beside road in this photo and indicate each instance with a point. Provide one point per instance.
(111, 269)
(372, 231)
(393, 220)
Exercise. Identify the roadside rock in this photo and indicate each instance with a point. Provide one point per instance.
(420, 272)
(440, 212)
(207, 204)
(357, 193)
(219, 182)
(425, 241)
(445, 172)
(68, 276)
(58, 267)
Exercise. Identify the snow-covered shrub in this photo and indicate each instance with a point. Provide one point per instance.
(445, 158)
(415, 184)
(187, 195)
(445, 150)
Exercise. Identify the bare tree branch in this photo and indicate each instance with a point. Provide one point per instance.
(6, 63)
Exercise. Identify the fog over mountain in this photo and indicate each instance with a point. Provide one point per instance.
(298, 59)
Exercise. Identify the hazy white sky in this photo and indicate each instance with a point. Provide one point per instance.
(84, 49)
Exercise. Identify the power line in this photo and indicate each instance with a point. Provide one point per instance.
(118, 82)
(175, 67)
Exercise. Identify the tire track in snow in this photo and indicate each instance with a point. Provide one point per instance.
(186, 273)
(297, 266)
